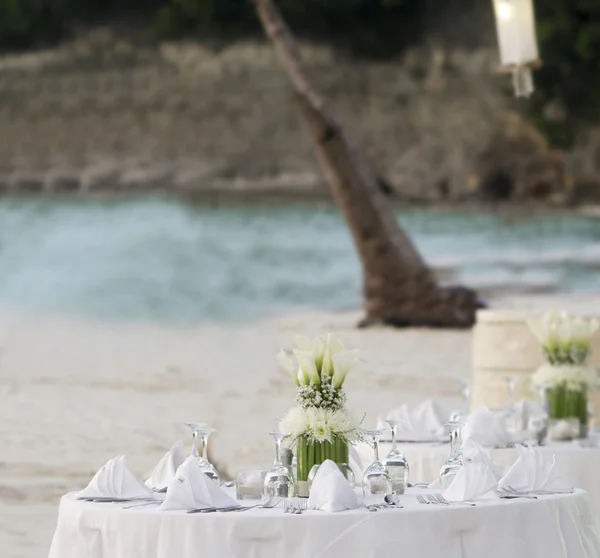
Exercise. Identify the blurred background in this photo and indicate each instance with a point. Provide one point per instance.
(150, 150)
(165, 227)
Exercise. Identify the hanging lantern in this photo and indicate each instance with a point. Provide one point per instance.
(515, 25)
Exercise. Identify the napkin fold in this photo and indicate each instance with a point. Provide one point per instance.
(486, 429)
(422, 424)
(532, 472)
(476, 479)
(331, 491)
(192, 489)
(165, 470)
(472, 451)
(115, 480)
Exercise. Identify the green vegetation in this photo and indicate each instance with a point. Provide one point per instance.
(568, 85)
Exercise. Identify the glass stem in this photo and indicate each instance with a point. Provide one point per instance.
(204, 446)
(376, 448)
(455, 442)
(195, 444)
(394, 438)
(277, 451)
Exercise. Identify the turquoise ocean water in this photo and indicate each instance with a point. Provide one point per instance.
(166, 260)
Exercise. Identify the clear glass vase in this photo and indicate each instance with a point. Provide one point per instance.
(310, 453)
(567, 412)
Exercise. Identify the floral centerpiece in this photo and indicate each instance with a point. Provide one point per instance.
(319, 427)
(566, 375)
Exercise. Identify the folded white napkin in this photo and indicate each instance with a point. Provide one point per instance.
(191, 489)
(330, 491)
(486, 429)
(476, 479)
(532, 472)
(165, 470)
(472, 451)
(115, 480)
(421, 424)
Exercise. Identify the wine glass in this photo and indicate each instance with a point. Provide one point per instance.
(454, 462)
(463, 412)
(396, 463)
(513, 420)
(195, 426)
(279, 482)
(377, 479)
(200, 449)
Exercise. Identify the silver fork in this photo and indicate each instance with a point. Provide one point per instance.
(270, 503)
(509, 492)
(439, 499)
(295, 505)
(422, 500)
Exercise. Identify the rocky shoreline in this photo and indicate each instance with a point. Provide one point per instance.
(103, 115)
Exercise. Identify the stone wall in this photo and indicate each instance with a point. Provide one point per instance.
(102, 114)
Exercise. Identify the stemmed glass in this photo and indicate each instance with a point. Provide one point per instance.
(377, 479)
(201, 433)
(395, 462)
(454, 462)
(279, 482)
(512, 419)
(465, 392)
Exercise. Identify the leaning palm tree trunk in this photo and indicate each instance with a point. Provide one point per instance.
(399, 288)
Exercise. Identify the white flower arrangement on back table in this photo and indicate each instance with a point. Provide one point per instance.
(319, 427)
(566, 376)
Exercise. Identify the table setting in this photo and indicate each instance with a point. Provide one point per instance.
(316, 499)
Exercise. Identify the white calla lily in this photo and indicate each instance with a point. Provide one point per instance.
(565, 339)
(333, 345)
(288, 364)
(315, 346)
(343, 362)
(307, 365)
(303, 379)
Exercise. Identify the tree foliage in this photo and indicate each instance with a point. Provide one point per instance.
(568, 85)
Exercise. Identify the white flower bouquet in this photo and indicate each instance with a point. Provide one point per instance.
(566, 377)
(319, 427)
(565, 339)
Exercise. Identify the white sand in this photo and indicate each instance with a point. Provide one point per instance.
(75, 393)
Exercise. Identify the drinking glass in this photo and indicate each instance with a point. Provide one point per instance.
(249, 485)
(513, 420)
(395, 463)
(200, 449)
(279, 481)
(463, 412)
(454, 462)
(377, 479)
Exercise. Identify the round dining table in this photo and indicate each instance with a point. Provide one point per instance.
(577, 465)
(553, 526)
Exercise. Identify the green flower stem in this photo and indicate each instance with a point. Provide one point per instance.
(310, 453)
(568, 403)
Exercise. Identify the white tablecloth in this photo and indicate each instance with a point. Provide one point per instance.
(558, 526)
(578, 466)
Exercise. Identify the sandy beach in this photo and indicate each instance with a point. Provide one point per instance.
(74, 393)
